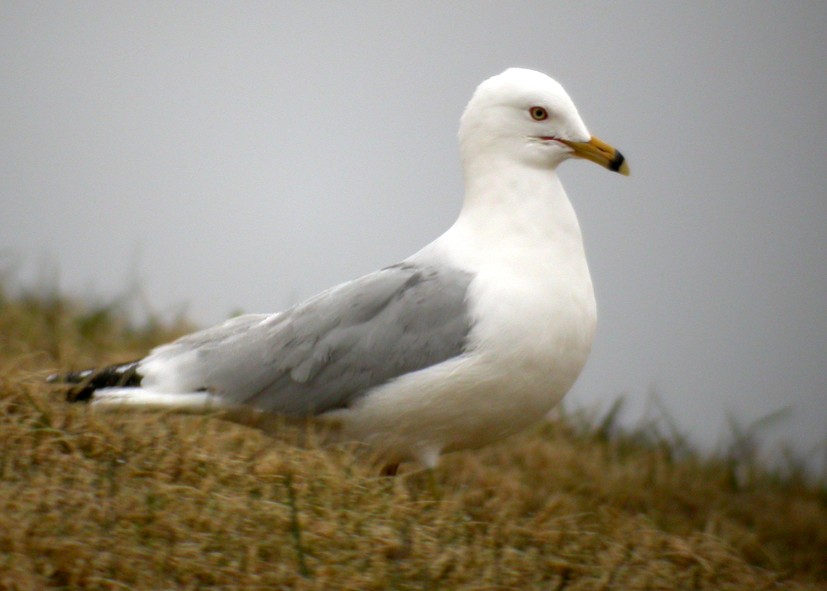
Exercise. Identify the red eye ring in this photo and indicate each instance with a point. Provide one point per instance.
(538, 113)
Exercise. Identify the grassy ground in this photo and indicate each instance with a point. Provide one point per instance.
(156, 501)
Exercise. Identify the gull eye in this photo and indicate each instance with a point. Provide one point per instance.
(538, 113)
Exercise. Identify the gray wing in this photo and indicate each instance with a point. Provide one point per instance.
(325, 353)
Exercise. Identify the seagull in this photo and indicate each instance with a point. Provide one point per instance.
(472, 339)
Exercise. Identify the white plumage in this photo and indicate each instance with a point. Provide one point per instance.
(473, 338)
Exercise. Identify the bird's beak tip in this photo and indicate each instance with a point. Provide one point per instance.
(600, 153)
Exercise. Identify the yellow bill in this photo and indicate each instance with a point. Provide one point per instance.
(600, 152)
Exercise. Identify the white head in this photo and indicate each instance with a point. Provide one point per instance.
(525, 115)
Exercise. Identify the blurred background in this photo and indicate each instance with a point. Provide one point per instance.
(210, 158)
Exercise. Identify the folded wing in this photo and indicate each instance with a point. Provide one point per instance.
(325, 353)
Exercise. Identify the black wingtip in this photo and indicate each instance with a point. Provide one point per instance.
(82, 393)
(82, 384)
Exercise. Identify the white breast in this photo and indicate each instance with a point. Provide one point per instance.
(533, 312)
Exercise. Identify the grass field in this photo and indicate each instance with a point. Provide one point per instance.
(156, 501)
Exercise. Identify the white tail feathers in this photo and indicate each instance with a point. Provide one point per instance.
(138, 398)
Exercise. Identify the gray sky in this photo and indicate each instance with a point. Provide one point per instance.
(243, 156)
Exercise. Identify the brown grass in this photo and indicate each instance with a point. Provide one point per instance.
(156, 501)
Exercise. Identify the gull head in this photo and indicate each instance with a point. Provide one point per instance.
(526, 116)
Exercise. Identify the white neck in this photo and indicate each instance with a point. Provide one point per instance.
(531, 299)
(510, 211)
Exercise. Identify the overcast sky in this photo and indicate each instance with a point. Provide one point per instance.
(243, 156)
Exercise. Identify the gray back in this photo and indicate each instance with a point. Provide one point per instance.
(326, 352)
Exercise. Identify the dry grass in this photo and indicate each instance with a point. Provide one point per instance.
(110, 501)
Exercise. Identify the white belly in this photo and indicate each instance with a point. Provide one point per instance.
(533, 312)
(527, 348)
